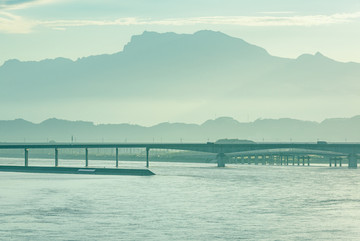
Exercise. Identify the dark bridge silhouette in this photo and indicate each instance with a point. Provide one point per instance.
(351, 150)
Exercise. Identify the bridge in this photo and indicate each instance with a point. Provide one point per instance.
(284, 156)
(351, 150)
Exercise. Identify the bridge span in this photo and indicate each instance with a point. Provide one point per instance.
(351, 150)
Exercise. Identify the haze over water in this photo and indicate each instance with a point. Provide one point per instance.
(183, 202)
(162, 71)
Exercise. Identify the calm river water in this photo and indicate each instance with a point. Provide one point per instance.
(182, 202)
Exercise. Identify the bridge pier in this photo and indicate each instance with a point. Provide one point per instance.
(147, 156)
(352, 160)
(330, 159)
(287, 160)
(26, 157)
(56, 157)
(221, 159)
(235, 160)
(117, 157)
(293, 160)
(335, 161)
(86, 157)
(298, 160)
(340, 162)
(303, 160)
(308, 160)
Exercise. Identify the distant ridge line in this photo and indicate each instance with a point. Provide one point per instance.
(261, 130)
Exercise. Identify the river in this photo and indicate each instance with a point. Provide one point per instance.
(183, 201)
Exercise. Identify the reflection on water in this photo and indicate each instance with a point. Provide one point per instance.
(182, 202)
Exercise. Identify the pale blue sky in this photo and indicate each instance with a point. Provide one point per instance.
(38, 29)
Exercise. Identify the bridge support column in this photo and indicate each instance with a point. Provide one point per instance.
(271, 160)
(340, 162)
(335, 161)
(26, 157)
(293, 160)
(147, 156)
(287, 160)
(303, 160)
(330, 159)
(308, 160)
(298, 160)
(117, 157)
(221, 159)
(281, 160)
(56, 157)
(352, 160)
(86, 157)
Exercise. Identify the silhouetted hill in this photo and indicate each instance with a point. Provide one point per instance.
(332, 130)
(178, 66)
(234, 141)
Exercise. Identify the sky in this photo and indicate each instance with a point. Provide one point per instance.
(41, 29)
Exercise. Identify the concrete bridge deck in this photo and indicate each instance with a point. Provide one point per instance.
(345, 148)
(349, 149)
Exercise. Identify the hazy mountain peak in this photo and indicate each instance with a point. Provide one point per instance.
(60, 122)
(221, 121)
(58, 60)
(21, 120)
(342, 120)
(148, 40)
(314, 57)
(10, 63)
(210, 33)
(52, 120)
(318, 54)
(152, 34)
(201, 43)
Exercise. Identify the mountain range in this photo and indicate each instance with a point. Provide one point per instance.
(268, 130)
(169, 76)
(203, 64)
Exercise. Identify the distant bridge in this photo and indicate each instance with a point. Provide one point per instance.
(351, 150)
(284, 156)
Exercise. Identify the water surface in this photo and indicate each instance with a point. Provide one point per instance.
(182, 202)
